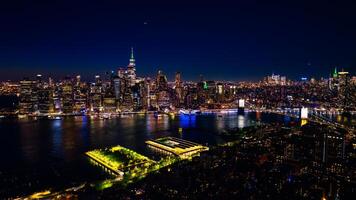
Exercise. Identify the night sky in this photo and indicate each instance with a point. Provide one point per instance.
(227, 40)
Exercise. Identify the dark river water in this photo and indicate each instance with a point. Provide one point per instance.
(49, 154)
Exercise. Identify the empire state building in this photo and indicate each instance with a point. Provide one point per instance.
(131, 68)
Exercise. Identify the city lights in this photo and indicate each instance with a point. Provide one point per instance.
(183, 100)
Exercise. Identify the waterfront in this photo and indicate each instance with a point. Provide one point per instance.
(43, 154)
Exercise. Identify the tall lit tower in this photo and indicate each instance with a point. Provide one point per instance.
(132, 59)
(335, 74)
(131, 69)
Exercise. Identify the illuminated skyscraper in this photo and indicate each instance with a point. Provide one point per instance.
(161, 81)
(219, 88)
(178, 89)
(139, 93)
(109, 99)
(127, 100)
(45, 99)
(345, 94)
(220, 92)
(210, 92)
(178, 80)
(27, 105)
(39, 79)
(131, 69)
(149, 93)
(163, 96)
(67, 96)
(191, 98)
(96, 90)
(335, 74)
(80, 95)
(117, 87)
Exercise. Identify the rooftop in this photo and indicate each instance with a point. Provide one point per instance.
(177, 146)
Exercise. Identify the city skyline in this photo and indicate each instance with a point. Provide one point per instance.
(243, 99)
(240, 41)
(170, 75)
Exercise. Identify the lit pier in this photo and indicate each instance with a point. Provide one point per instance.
(177, 147)
(118, 160)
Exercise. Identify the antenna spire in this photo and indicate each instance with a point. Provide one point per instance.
(132, 59)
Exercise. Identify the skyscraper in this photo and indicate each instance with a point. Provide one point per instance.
(27, 104)
(131, 69)
(96, 101)
(161, 81)
(345, 94)
(45, 99)
(178, 89)
(79, 95)
(67, 96)
(117, 87)
(335, 74)
(127, 99)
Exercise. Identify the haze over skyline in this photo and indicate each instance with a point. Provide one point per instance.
(229, 40)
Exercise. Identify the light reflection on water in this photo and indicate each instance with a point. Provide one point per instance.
(187, 121)
(57, 137)
(241, 121)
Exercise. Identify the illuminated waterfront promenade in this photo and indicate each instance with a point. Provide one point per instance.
(118, 159)
(104, 164)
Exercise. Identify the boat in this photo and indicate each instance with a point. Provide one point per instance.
(55, 117)
(189, 112)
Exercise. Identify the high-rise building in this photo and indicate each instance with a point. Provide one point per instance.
(210, 92)
(45, 100)
(345, 94)
(67, 96)
(79, 95)
(139, 93)
(163, 99)
(117, 87)
(131, 69)
(96, 98)
(39, 79)
(178, 89)
(163, 95)
(27, 103)
(127, 98)
(161, 81)
(121, 72)
(191, 98)
(149, 94)
(178, 80)
(57, 97)
(333, 81)
(220, 92)
(335, 74)
(109, 98)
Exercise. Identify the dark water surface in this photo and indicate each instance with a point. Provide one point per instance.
(49, 154)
